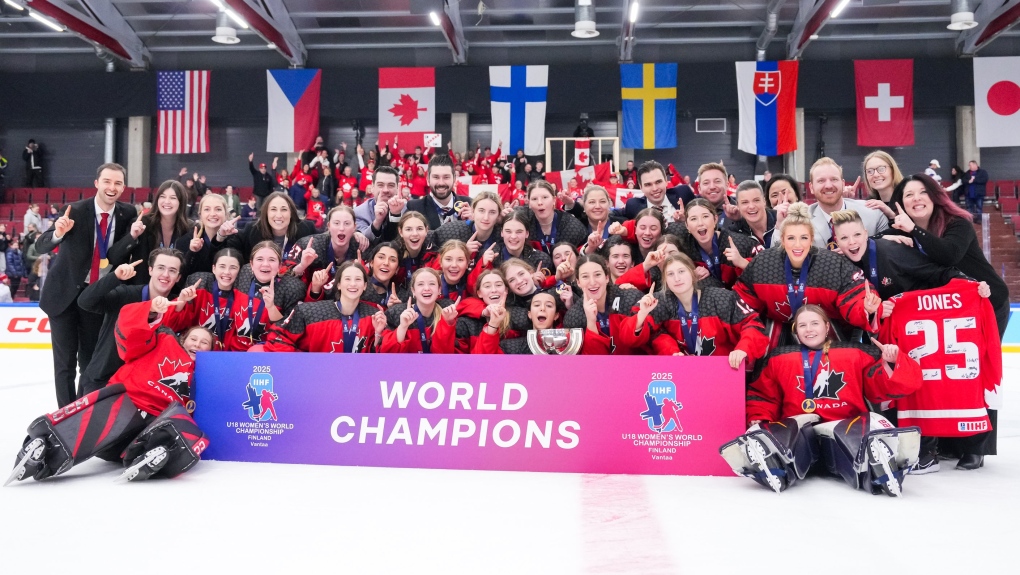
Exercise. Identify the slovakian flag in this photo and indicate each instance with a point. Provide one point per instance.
(997, 101)
(648, 93)
(885, 102)
(182, 98)
(293, 109)
(407, 105)
(518, 95)
(767, 92)
(582, 153)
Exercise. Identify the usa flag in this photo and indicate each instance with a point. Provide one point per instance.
(183, 102)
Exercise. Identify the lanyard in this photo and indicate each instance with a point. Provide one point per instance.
(810, 371)
(410, 265)
(605, 230)
(254, 316)
(350, 325)
(103, 237)
(873, 263)
(173, 239)
(426, 346)
(689, 324)
(145, 292)
(222, 315)
(796, 291)
(457, 289)
(603, 323)
(766, 239)
(712, 260)
(331, 254)
(548, 241)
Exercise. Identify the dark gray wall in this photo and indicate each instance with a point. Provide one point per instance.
(72, 150)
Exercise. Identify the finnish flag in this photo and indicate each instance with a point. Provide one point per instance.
(518, 95)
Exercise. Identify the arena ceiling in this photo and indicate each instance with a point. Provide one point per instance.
(158, 34)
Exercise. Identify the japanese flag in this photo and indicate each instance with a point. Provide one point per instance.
(997, 101)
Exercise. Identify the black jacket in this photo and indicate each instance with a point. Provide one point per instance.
(262, 184)
(247, 238)
(958, 247)
(681, 193)
(742, 227)
(428, 206)
(107, 296)
(902, 269)
(70, 268)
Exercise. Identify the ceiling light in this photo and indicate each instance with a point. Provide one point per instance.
(584, 20)
(218, 4)
(435, 18)
(13, 4)
(271, 45)
(963, 16)
(51, 24)
(233, 16)
(839, 8)
(633, 12)
(225, 32)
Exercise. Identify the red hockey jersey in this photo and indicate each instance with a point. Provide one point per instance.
(850, 373)
(233, 305)
(951, 332)
(157, 370)
(442, 338)
(319, 327)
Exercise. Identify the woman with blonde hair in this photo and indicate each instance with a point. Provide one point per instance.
(881, 176)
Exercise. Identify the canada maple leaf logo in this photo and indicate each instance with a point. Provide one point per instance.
(406, 109)
(170, 367)
(582, 157)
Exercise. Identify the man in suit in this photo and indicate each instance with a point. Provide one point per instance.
(977, 188)
(377, 218)
(827, 185)
(439, 204)
(86, 234)
(651, 177)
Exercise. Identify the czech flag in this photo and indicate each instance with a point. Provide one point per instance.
(293, 109)
(767, 92)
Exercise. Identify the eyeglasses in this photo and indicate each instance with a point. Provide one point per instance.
(878, 170)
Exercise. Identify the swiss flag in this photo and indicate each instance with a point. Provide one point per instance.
(997, 101)
(582, 153)
(885, 102)
(407, 105)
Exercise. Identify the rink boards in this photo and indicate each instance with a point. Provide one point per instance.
(632, 415)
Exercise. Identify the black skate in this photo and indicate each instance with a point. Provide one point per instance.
(30, 461)
(881, 460)
(766, 463)
(147, 465)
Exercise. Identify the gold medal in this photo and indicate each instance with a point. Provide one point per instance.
(562, 288)
(190, 406)
(104, 263)
(460, 205)
(808, 405)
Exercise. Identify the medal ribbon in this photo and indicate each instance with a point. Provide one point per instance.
(689, 324)
(426, 347)
(222, 315)
(810, 370)
(350, 325)
(795, 291)
(253, 315)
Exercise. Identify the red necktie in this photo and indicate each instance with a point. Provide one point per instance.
(103, 225)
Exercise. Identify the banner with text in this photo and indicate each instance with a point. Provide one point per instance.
(23, 326)
(653, 415)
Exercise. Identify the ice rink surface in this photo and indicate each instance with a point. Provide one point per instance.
(295, 519)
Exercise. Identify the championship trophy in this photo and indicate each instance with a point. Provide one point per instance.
(555, 341)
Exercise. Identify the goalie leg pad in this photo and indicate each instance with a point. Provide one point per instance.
(869, 453)
(80, 430)
(176, 432)
(775, 454)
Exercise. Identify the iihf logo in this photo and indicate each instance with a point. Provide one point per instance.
(261, 398)
(663, 410)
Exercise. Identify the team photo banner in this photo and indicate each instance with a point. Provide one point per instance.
(631, 415)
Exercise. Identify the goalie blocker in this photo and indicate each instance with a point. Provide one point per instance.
(106, 423)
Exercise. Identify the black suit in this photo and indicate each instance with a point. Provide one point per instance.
(106, 297)
(681, 193)
(430, 208)
(74, 331)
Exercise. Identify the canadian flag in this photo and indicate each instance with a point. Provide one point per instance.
(598, 174)
(997, 101)
(582, 153)
(407, 105)
(471, 186)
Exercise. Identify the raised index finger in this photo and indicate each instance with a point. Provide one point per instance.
(899, 208)
(135, 263)
(876, 342)
(652, 289)
(67, 212)
(198, 283)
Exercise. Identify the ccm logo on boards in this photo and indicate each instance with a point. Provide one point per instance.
(28, 324)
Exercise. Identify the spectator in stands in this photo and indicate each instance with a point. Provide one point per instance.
(977, 181)
(766, 177)
(630, 173)
(233, 201)
(731, 185)
(33, 285)
(33, 165)
(31, 234)
(54, 213)
(249, 212)
(957, 186)
(29, 253)
(3, 170)
(5, 290)
(262, 180)
(540, 170)
(32, 216)
(15, 265)
(190, 196)
(328, 185)
(932, 170)
(5, 239)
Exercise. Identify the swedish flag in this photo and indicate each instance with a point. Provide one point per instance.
(649, 105)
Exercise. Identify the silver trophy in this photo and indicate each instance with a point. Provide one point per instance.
(555, 341)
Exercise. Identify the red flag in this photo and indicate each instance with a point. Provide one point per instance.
(885, 102)
(582, 153)
(407, 102)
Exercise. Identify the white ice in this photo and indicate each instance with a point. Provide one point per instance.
(295, 519)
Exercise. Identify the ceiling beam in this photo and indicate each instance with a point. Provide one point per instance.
(101, 25)
(453, 30)
(812, 15)
(993, 17)
(627, 33)
(270, 19)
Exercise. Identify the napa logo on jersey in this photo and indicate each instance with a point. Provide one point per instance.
(662, 408)
(261, 402)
